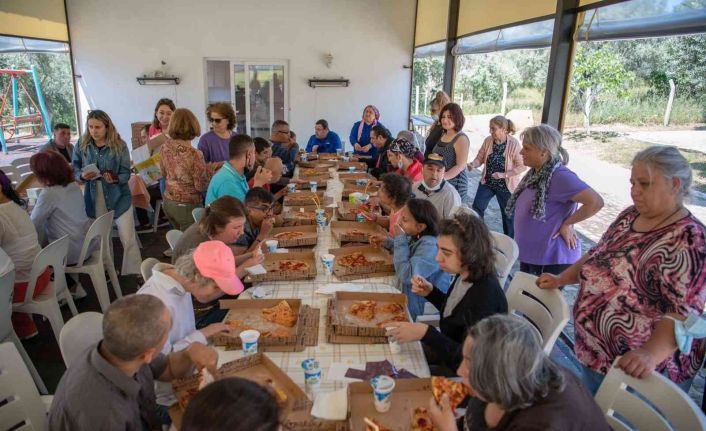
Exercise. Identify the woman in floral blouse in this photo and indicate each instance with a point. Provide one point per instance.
(184, 169)
(648, 264)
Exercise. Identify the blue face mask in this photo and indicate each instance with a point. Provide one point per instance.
(694, 327)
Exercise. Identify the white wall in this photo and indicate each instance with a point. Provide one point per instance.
(113, 42)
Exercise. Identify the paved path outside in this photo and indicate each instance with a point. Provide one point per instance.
(694, 140)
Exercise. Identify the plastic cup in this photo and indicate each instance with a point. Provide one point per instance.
(312, 186)
(360, 218)
(362, 198)
(304, 157)
(395, 347)
(249, 339)
(271, 245)
(346, 158)
(361, 181)
(382, 392)
(291, 187)
(312, 375)
(327, 260)
(321, 218)
(339, 152)
(351, 168)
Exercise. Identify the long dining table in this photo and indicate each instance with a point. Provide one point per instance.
(411, 356)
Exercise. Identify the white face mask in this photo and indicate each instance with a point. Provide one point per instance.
(400, 164)
(435, 117)
(432, 189)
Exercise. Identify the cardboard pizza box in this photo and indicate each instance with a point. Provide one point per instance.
(317, 164)
(310, 176)
(371, 190)
(381, 267)
(309, 236)
(344, 323)
(407, 395)
(347, 211)
(293, 216)
(359, 166)
(343, 231)
(320, 184)
(354, 175)
(272, 261)
(303, 197)
(249, 311)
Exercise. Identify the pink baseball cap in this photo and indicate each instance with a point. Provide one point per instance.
(215, 260)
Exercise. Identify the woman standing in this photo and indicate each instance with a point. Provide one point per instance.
(649, 263)
(214, 144)
(440, 100)
(360, 133)
(453, 147)
(500, 153)
(184, 170)
(101, 147)
(544, 205)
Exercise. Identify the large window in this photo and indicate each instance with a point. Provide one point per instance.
(427, 79)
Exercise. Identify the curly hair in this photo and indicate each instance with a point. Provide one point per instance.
(474, 243)
(225, 110)
(398, 187)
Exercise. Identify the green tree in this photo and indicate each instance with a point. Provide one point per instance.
(428, 75)
(481, 76)
(598, 71)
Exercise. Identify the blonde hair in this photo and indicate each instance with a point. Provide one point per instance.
(503, 123)
(440, 100)
(112, 137)
(183, 125)
(545, 138)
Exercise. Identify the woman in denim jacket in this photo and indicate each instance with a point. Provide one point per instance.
(108, 191)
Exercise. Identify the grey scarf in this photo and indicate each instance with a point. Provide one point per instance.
(459, 290)
(538, 180)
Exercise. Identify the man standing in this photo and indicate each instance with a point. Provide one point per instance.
(435, 189)
(323, 140)
(110, 386)
(60, 141)
(284, 146)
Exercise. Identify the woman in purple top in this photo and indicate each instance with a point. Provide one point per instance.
(545, 204)
(214, 144)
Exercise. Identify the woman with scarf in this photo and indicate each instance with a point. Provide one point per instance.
(466, 250)
(545, 205)
(360, 134)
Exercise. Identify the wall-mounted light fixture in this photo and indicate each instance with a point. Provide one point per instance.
(158, 80)
(327, 82)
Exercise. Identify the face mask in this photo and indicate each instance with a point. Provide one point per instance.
(432, 189)
(694, 327)
(400, 164)
(435, 117)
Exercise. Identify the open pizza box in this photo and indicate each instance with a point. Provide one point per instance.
(354, 175)
(308, 237)
(273, 263)
(305, 197)
(318, 164)
(294, 215)
(380, 264)
(347, 211)
(369, 189)
(320, 183)
(343, 322)
(359, 166)
(354, 231)
(407, 396)
(305, 174)
(352, 181)
(257, 368)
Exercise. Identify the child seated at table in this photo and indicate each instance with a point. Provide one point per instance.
(259, 204)
(394, 192)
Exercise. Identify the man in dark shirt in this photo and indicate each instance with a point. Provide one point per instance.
(284, 146)
(60, 142)
(110, 386)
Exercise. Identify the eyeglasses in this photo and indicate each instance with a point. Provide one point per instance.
(284, 132)
(266, 209)
(215, 120)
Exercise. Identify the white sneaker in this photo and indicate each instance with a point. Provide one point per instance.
(79, 292)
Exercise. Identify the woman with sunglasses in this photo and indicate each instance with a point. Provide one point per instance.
(214, 144)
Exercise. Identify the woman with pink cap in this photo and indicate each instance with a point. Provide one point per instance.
(360, 133)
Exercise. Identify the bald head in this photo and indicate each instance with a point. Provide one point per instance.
(274, 164)
(134, 324)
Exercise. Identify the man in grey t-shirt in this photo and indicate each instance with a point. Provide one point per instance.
(110, 386)
(435, 189)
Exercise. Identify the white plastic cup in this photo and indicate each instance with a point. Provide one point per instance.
(321, 218)
(312, 375)
(327, 259)
(312, 186)
(291, 187)
(249, 338)
(361, 181)
(271, 245)
(363, 198)
(346, 158)
(382, 392)
(304, 157)
(351, 168)
(33, 194)
(395, 347)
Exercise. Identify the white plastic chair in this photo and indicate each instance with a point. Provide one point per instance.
(654, 403)
(24, 409)
(47, 302)
(22, 166)
(146, 267)
(99, 261)
(173, 237)
(506, 253)
(7, 333)
(82, 331)
(196, 214)
(546, 309)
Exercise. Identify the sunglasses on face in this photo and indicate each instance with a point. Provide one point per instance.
(215, 120)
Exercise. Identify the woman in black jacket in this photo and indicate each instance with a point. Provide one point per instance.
(466, 250)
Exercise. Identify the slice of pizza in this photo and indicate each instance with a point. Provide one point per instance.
(292, 265)
(364, 310)
(401, 317)
(392, 307)
(281, 314)
(421, 420)
(353, 260)
(356, 232)
(374, 425)
(279, 394)
(456, 391)
(282, 236)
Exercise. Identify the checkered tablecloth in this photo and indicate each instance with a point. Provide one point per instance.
(411, 357)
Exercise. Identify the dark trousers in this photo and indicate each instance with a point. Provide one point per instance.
(483, 197)
(539, 269)
(155, 194)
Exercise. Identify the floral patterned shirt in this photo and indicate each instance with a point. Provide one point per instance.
(184, 170)
(632, 279)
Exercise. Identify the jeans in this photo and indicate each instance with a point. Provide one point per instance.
(483, 197)
(592, 380)
(539, 269)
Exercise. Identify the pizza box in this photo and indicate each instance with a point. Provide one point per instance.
(317, 164)
(320, 184)
(320, 170)
(293, 216)
(354, 175)
(371, 190)
(347, 211)
(318, 176)
(382, 266)
(309, 237)
(343, 323)
(407, 395)
(303, 197)
(249, 311)
(342, 231)
(272, 261)
(258, 368)
(333, 338)
(359, 166)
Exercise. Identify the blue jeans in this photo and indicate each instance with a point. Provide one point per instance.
(592, 380)
(415, 303)
(483, 197)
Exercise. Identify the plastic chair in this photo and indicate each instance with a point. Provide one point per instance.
(47, 302)
(82, 331)
(7, 333)
(24, 409)
(547, 310)
(506, 253)
(99, 261)
(146, 267)
(22, 166)
(196, 214)
(157, 210)
(654, 403)
(173, 237)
